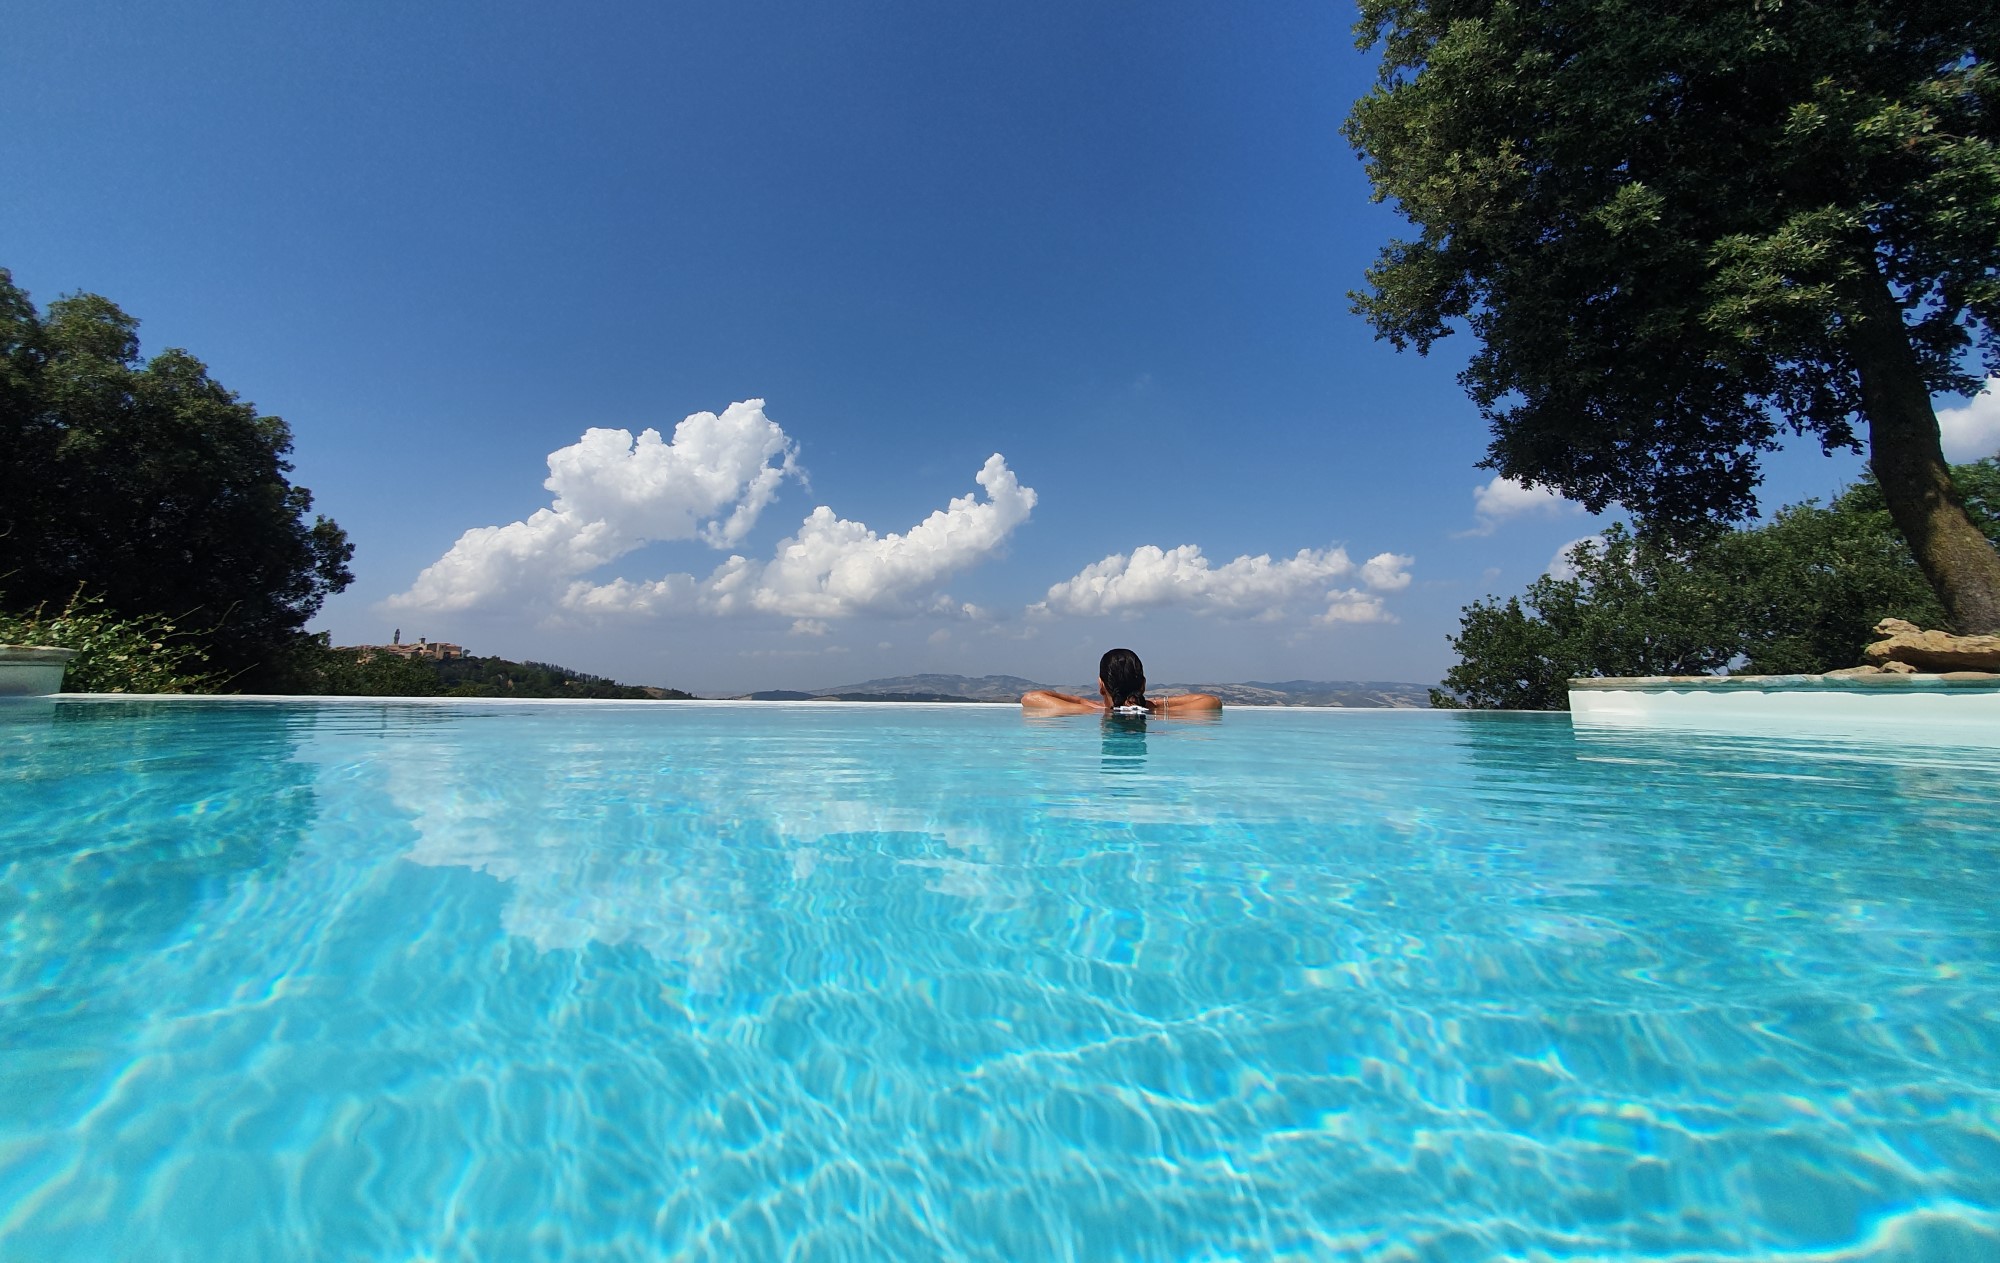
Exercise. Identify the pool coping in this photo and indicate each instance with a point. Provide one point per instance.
(1945, 708)
(1889, 682)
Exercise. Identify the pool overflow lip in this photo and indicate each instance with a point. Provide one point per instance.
(1958, 708)
(32, 670)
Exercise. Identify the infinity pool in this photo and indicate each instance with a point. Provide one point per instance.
(661, 981)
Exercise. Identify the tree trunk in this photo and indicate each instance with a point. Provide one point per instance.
(1908, 460)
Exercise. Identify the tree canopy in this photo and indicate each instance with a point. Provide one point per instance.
(151, 487)
(1679, 230)
(1799, 594)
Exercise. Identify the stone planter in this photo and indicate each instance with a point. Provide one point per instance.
(32, 670)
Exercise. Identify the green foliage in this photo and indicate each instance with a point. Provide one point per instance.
(153, 485)
(1799, 594)
(149, 653)
(311, 667)
(497, 677)
(1670, 229)
(1635, 607)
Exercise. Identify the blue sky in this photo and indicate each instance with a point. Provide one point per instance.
(1110, 243)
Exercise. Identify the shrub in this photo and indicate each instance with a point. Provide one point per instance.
(114, 654)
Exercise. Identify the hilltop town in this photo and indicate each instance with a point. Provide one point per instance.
(432, 650)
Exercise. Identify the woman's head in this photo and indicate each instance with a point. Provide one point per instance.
(1123, 677)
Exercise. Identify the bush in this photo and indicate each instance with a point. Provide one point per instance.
(115, 654)
(1799, 594)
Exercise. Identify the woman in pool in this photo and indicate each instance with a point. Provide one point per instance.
(1121, 683)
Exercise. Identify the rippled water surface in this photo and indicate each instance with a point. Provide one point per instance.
(488, 982)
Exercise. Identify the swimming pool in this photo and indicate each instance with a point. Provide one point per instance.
(616, 981)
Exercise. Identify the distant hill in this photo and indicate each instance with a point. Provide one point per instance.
(473, 676)
(374, 671)
(1376, 694)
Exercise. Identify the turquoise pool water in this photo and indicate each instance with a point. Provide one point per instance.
(488, 982)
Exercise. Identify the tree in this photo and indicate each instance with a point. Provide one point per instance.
(315, 668)
(1800, 594)
(1632, 608)
(151, 487)
(1677, 230)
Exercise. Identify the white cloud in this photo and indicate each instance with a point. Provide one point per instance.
(1150, 577)
(622, 596)
(827, 651)
(1387, 572)
(1351, 605)
(615, 493)
(946, 607)
(1563, 564)
(1972, 432)
(832, 567)
(1503, 498)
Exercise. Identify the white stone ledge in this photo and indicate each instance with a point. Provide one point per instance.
(1957, 707)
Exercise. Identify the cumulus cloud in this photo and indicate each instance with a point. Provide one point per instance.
(1972, 432)
(1150, 577)
(711, 481)
(615, 493)
(1563, 564)
(1504, 498)
(1351, 605)
(833, 567)
(623, 596)
(1387, 572)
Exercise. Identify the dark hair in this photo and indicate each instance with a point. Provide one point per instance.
(1123, 677)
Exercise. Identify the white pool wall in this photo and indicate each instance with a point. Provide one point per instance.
(1959, 707)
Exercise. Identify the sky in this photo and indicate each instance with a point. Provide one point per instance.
(787, 346)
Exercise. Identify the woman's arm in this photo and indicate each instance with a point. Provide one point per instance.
(1188, 704)
(1044, 702)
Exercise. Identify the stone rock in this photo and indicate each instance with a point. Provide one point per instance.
(1860, 670)
(1905, 643)
(1970, 677)
(1898, 668)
